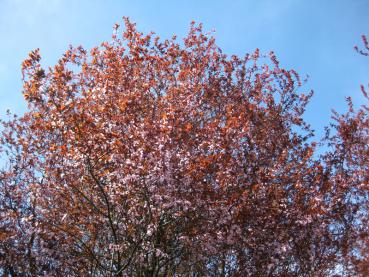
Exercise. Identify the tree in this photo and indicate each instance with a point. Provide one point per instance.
(158, 158)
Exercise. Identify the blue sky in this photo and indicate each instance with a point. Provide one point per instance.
(314, 37)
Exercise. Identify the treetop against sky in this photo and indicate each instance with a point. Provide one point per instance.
(313, 37)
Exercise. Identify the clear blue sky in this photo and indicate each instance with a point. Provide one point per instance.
(315, 37)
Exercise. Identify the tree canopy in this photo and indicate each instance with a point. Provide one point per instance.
(150, 157)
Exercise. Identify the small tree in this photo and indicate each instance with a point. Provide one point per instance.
(152, 158)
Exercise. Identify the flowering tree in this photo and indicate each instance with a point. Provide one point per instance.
(158, 158)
